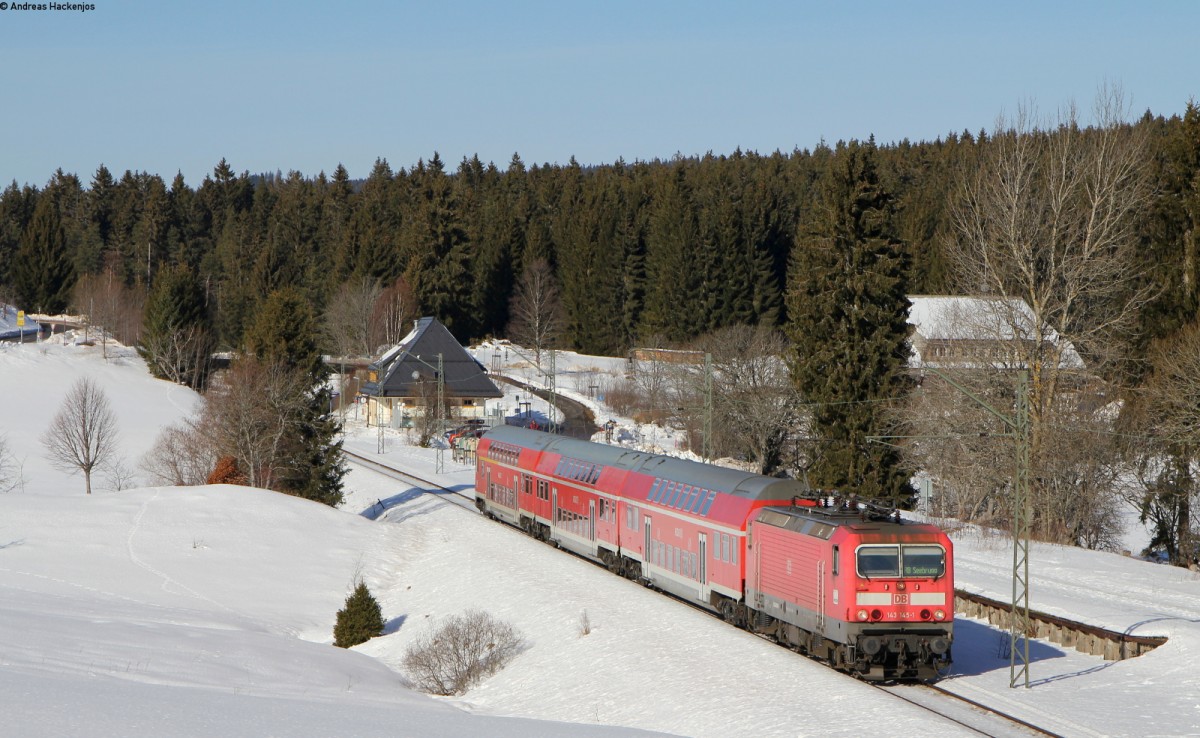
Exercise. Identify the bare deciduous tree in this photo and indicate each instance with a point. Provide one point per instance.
(755, 405)
(10, 470)
(1165, 446)
(392, 316)
(252, 416)
(460, 652)
(84, 432)
(110, 306)
(652, 374)
(966, 450)
(181, 355)
(347, 325)
(181, 456)
(536, 314)
(1047, 217)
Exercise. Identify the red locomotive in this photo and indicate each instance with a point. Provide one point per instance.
(845, 581)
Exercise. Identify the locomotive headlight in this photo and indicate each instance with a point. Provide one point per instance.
(876, 614)
(862, 615)
(939, 614)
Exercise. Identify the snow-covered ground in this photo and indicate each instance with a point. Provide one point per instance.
(209, 611)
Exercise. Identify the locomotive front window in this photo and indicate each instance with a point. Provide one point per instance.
(924, 561)
(879, 561)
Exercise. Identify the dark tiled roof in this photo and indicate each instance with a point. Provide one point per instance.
(418, 352)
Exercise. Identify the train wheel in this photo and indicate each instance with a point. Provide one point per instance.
(632, 569)
(729, 611)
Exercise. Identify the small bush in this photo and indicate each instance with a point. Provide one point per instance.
(461, 652)
(359, 621)
(226, 472)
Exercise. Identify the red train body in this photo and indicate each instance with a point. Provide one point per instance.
(842, 581)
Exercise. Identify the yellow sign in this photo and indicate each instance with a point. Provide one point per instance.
(20, 318)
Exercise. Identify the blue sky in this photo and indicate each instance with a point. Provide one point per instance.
(175, 86)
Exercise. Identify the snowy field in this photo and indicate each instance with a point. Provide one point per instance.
(209, 611)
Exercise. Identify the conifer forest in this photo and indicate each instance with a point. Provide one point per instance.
(819, 245)
(674, 249)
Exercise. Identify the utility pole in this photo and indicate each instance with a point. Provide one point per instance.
(1019, 621)
(552, 382)
(1022, 513)
(379, 416)
(440, 462)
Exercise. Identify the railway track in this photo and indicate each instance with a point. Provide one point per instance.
(967, 713)
(454, 496)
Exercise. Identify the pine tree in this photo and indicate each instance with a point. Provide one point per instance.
(285, 333)
(848, 307)
(360, 620)
(41, 272)
(675, 263)
(16, 211)
(177, 340)
(440, 254)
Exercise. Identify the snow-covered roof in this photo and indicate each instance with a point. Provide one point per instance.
(963, 318)
(415, 359)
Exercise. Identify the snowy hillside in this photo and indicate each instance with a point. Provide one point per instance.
(209, 611)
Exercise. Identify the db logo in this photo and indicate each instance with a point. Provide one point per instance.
(900, 599)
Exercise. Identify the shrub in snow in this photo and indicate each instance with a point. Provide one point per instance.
(359, 621)
(226, 472)
(461, 652)
(10, 475)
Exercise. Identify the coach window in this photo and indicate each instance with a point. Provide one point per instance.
(879, 561)
(676, 490)
(835, 561)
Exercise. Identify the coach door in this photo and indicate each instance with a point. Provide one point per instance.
(646, 550)
(702, 573)
(553, 513)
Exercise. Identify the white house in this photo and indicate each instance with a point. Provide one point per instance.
(953, 331)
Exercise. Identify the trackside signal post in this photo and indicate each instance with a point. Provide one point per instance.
(1019, 622)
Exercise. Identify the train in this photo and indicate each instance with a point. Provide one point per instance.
(840, 579)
